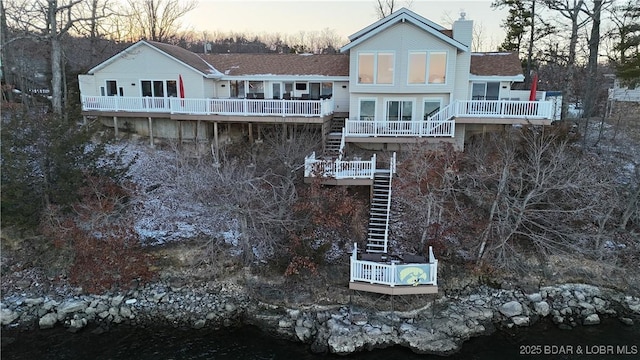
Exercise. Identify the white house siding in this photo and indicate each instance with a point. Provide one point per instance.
(341, 96)
(145, 63)
(400, 39)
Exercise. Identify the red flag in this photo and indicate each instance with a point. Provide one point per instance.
(534, 87)
(181, 89)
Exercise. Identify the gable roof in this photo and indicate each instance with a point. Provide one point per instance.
(496, 64)
(279, 64)
(183, 56)
(403, 15)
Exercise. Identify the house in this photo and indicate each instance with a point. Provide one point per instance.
(401, 80)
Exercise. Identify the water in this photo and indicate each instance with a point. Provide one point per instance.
(609, 340)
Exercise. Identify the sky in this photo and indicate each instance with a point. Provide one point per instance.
(345, 17)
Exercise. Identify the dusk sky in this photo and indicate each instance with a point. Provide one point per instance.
(345, 17)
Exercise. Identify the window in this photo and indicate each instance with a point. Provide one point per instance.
(437, 67)
(365, 68)
(367, 109)
(237, 88)
(485, 91)
(427, 67)
(327, 90)
(417, 68)
(431, 107)
(375, 68)
(172, 88)
(112, 88)
(301, 86)
(399, 110)
(153, 88)
(385, 68)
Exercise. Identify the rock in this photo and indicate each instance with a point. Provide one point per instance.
(76, 325)
(592, 319)
(199, 324)
(125, 312)
(230, 307)
(626, 321)
(48, 305)
(7, 316)
(535, 297)
(131, 301)
(285, 323)
(510, 309)
(32, 302)
(72, 306)
(520, 320)
(48, 321)
(303, 333)
(117, 300)
(586, 305)
(579, 295)
(542, 308)
(635, 308)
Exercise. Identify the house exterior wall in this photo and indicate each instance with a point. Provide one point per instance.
(144, 63)
(399, 40)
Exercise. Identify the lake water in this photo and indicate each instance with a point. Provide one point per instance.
(609, 340)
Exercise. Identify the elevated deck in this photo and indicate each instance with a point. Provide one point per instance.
(393, 277)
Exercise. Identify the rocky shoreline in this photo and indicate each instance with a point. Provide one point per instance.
(440, 327)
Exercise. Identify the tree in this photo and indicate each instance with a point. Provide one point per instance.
(571, 10)
(46, 159)
(158, 20)
(627, 57)
(48, 21)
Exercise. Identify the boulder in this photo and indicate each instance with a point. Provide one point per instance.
(542, 308)
(510, 309)
(48, 321)
(592, 319)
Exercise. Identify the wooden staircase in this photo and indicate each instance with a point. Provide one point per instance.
(378, 234)
(334, 139)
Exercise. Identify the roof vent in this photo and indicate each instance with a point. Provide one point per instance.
(462, 14)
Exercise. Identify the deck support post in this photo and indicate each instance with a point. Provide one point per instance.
(115, 126)
(284, 132)
(150, 131)
(215, 141)
(179, 131)
(250, 133)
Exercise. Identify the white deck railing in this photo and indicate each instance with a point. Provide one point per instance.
(442, 123)
(241, 107)
(394, 273)
(339, 169)
(505, 109)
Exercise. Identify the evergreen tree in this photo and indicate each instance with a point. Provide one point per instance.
(45, 159)
(628, 57)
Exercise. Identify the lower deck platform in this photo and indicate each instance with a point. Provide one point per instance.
(393, 290)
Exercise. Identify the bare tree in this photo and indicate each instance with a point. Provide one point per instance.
(571, 10)
(48, 21)
(158, 20)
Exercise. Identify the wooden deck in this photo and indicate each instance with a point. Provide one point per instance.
(393, 290)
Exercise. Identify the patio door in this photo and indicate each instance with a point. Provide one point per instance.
(275, 91)
(153, 89)
(399, 111)
(314, 91)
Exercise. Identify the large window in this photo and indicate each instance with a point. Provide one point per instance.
(153, 88)
(485, 91)
(427, 67)
(430, 108)
(375, 68)
(327, 90)
(367, 109)
(112, 88)
(399, 110)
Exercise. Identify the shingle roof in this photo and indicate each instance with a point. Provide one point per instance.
(279, 64)
(495, 64)
(184, 55)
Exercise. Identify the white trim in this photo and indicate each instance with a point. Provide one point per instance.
(492, 78)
